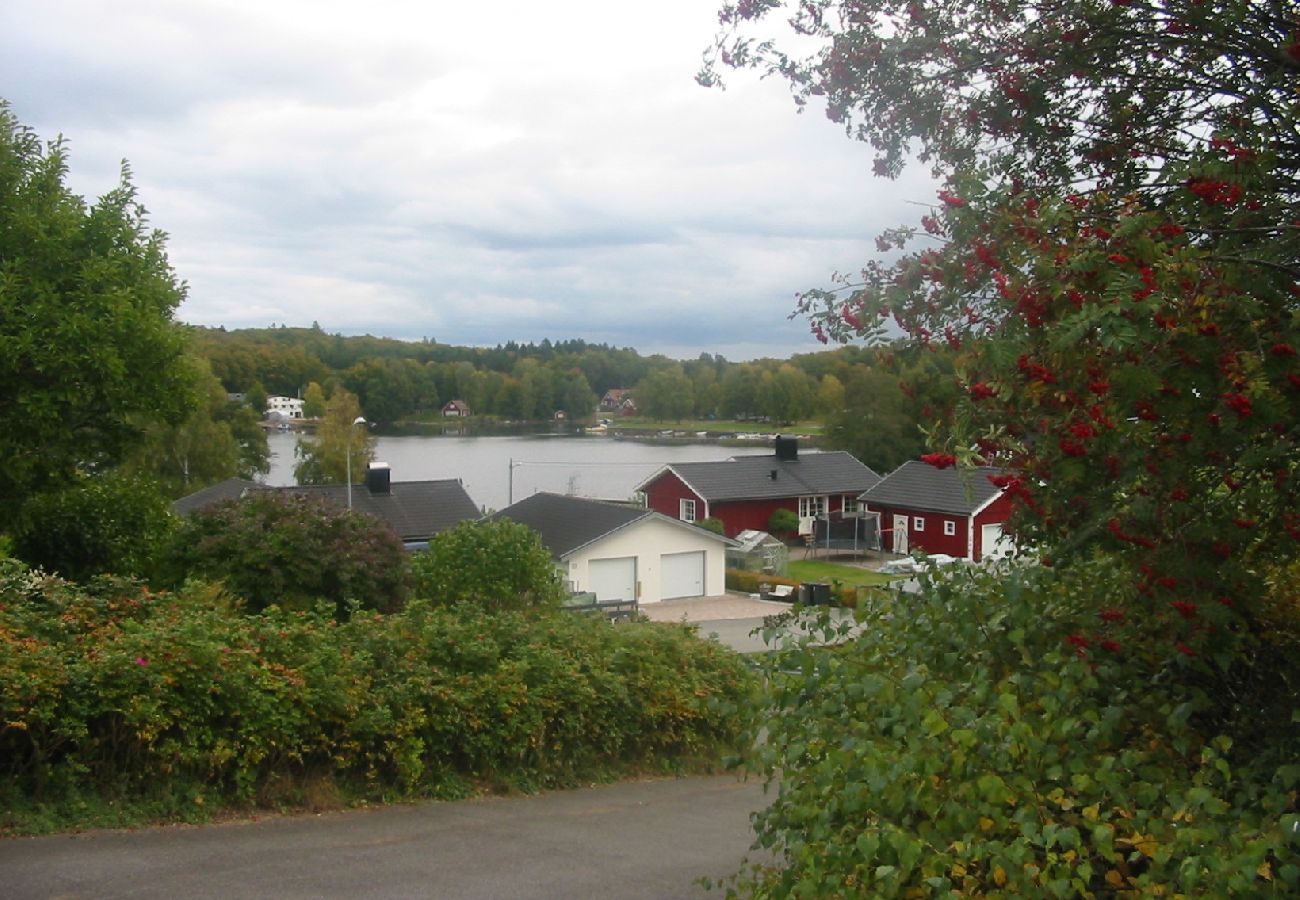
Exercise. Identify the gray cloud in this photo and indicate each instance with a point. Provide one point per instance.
(476, 175)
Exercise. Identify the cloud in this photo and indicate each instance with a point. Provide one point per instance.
(474, 174)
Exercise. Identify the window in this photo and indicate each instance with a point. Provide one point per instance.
(812, 507)
(949, 528)
(850, 507)
(918, 523)
(686, 511)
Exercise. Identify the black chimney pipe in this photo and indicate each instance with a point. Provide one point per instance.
(379, 478)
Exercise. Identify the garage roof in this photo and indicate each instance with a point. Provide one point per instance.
(567, 524)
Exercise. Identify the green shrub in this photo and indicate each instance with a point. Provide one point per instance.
(714, 524)
(97, 524)
(993, 735)
(492, 563)
(180, 703)
(282, 549)
(783, 521)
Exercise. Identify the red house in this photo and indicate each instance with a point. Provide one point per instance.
(954, 511)
(744, 491)
(618, 400)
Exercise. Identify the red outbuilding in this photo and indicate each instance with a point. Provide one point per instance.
(957, 511)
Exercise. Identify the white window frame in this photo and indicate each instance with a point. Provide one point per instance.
(949, 528)
(812, 507)
(918, 523)
(850, 505)
(686, 510)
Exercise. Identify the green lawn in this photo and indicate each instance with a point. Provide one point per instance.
(817, 570)
(714, 425)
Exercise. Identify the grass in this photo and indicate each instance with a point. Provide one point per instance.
(818, 570)
(642, 424)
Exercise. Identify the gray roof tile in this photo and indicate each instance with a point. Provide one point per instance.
(567, 524)
(919, 485)
(416, 510)
(230, 489)
(751, 477)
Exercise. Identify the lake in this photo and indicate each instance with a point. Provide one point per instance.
(492, 468)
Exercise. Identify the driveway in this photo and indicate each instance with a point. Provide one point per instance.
(734, 620)
(644, 839)
(712, 609)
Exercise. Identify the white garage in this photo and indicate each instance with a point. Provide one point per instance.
(623, 552)
(612, 579)
(993, 543)
(682, 574)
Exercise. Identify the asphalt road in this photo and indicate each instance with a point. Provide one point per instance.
(644, 840)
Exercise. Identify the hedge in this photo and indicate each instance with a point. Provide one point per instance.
(112, 696)
(748, 582)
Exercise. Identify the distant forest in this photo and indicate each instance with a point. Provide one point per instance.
(856, 392)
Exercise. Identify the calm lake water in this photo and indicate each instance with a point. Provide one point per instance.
(600, 467)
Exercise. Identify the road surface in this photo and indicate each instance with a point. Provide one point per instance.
(645, 840)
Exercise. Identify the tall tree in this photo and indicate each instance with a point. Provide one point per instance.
(1115, 259)
(313, 401)
(217, 440)
(666, 394)
(575, 395)
(785, 395)
(89, 350)
(339, 442)
(1115, 256)
(740, 391)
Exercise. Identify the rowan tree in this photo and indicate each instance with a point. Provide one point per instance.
(1114, 261)
(1115, 257)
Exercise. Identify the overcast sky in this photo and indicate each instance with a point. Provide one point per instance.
(468, 172)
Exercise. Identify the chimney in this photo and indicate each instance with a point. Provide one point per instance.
(787, 449)
(378, 478)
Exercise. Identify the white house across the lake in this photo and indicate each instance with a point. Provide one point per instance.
(284, 407)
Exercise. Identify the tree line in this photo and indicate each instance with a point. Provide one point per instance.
(873, 399)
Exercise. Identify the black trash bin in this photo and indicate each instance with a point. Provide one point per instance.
(815, 593)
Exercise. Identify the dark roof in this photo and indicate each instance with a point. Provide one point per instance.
(416, 510)
(919, 485)
(230, 489)
(568, 523)
(750, 477)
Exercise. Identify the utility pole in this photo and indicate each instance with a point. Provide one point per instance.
(355, 422)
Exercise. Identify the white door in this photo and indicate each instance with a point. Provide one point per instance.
(613, 578)
(900, 534)
(993, 543)
(681, 575)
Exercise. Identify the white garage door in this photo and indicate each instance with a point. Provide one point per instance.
(613, 578)
(993, 543)
(681, 575)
